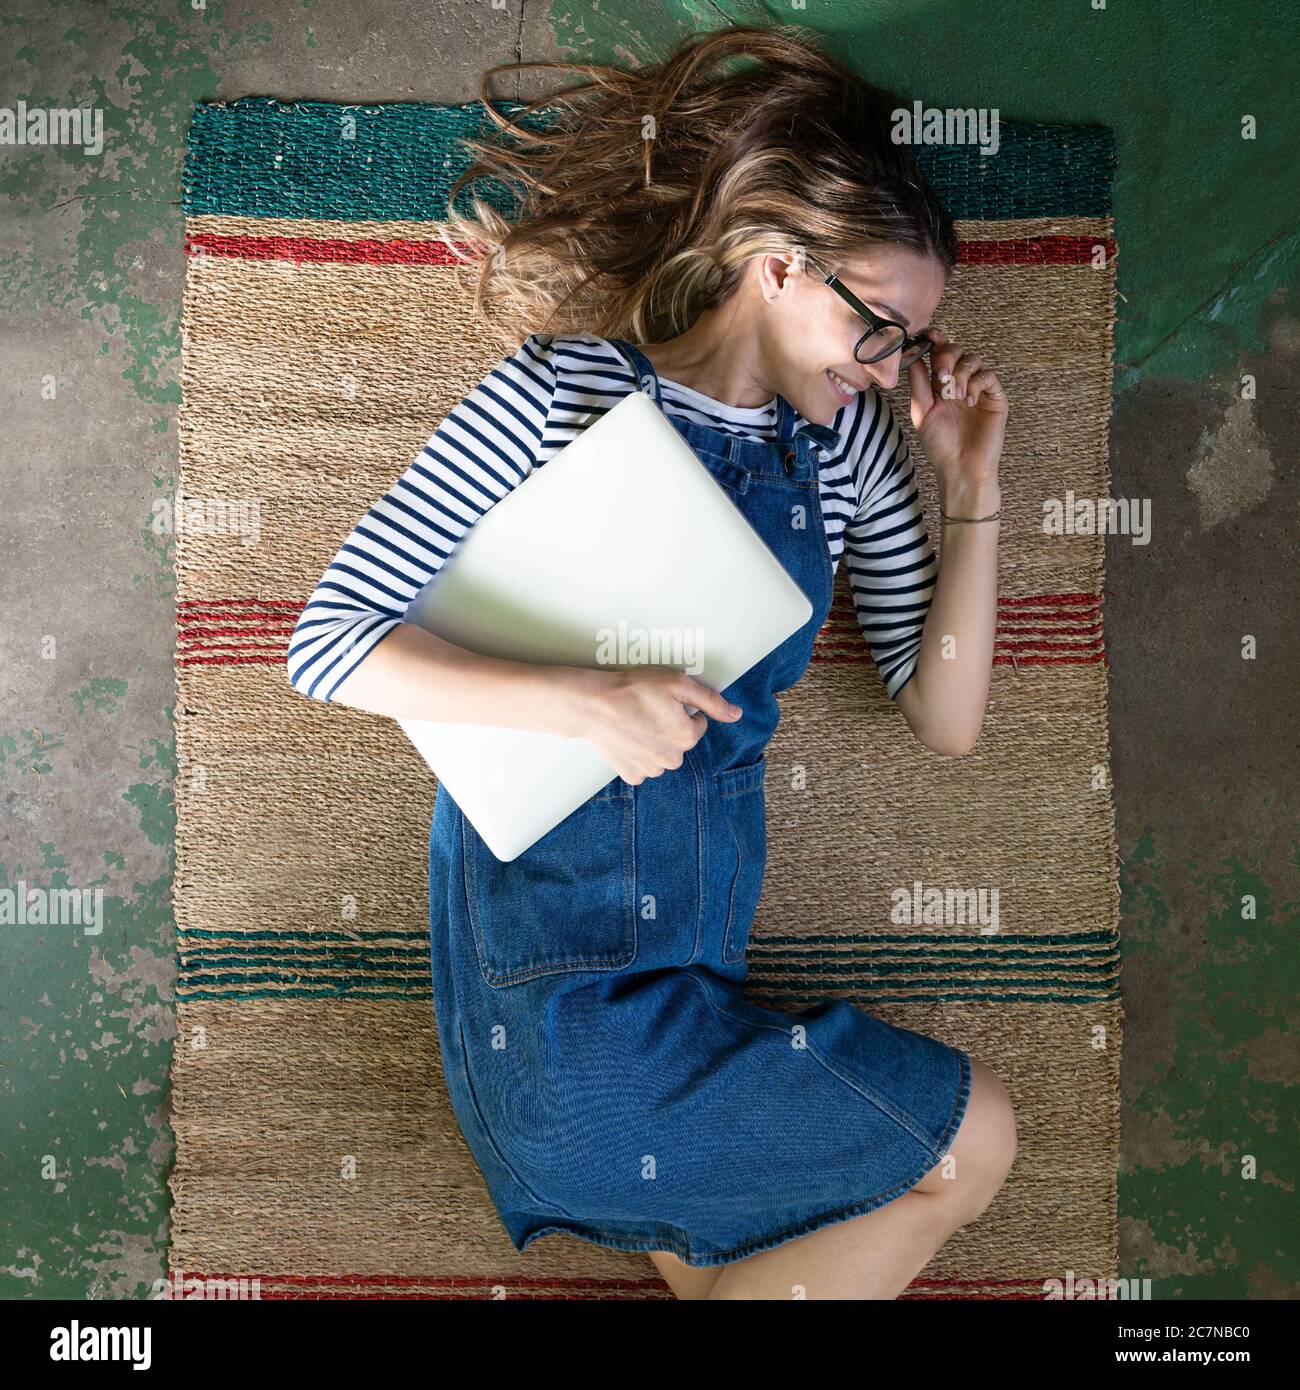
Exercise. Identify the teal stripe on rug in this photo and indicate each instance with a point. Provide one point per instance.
(807, 999)
(259, 157)
(1017, 976)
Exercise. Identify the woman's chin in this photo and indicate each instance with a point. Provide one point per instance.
(826, 414)
(820, 406)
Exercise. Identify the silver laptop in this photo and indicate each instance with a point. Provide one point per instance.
(621, 550)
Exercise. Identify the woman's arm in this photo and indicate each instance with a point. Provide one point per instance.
(414, 674)
(635, 719)
(486, 446)
(959, 410)
(944, 701)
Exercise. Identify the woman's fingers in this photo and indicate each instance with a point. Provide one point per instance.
(952, 374)
(950, 367)
(922, 396)
(941, 358)
(984, 386)
(966, 365)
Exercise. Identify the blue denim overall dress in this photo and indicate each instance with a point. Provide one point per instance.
(609, 1076)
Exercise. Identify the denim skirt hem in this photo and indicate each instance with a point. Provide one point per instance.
(679, 1243)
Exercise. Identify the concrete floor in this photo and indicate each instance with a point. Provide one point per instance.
(1204, 742)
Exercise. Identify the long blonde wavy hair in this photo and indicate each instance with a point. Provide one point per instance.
(647, 192)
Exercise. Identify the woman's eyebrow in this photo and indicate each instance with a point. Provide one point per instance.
(890, 311)
(894, 314)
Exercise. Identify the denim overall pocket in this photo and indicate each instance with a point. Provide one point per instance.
(567, 903)
(741, 802)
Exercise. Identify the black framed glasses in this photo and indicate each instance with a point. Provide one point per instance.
(883, 336)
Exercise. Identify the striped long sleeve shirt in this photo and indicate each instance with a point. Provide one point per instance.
(527, 408)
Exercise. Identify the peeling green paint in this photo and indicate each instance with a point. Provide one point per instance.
(103, 1015)
(101, 694)
(157, 810)
(115, 209)
(161, 548)
(83, 1015)
(51, 858)
(27, 751)
(160, 755)
(1203, 1095)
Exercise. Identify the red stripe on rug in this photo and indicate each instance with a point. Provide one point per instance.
(1041, 250)
(191, 605)
(1014, 659)
(1059, 605)
(231, 660)
(263, 646)
(846, 636)
(1018, 659)
(205, 628)
(1052, 631)
(300, 249)
(1025, 634)
(1073, 600)
(1011, 251)
(1032, 630)
(253, 628)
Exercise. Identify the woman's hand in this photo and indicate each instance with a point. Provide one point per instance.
(636, 719)
(959, 411)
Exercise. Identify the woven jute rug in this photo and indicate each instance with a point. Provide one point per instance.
(327, 331)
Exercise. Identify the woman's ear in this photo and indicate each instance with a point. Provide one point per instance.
(775, 272)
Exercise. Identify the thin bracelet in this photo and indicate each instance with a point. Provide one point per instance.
(969, 520)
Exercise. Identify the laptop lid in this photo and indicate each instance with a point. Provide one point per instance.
(621, 550)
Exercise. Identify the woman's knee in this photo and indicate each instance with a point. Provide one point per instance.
(985, 1145)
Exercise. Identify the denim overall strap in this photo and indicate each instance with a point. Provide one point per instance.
(812, 440)
(786, 416)
(642, 368)
(801, 448)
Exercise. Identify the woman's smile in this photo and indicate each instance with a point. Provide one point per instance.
(844, 391)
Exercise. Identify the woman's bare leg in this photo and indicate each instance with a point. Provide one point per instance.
(877, 1255)
(867, 1257)
(686, 1281)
